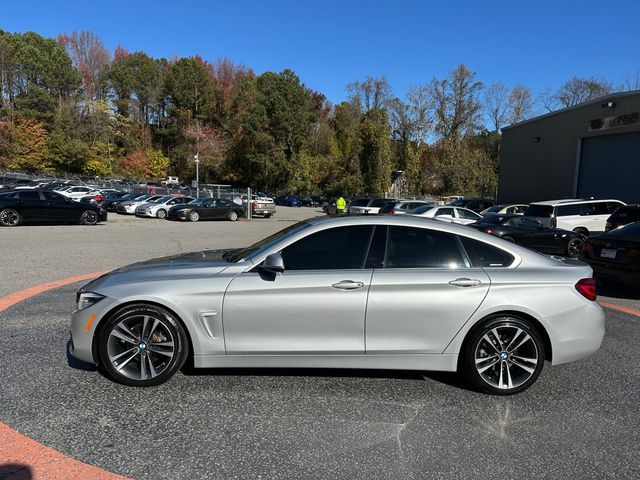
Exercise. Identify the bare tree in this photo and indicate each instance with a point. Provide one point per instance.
(495, 103)
(547, 100)
(631, 82)
(578, 90)
(520, 103)
(372, 93)
(89, 56)
(455, 102)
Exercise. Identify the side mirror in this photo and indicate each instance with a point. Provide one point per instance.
(273, 263)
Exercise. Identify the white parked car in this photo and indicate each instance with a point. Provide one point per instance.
(517, 209)
(77, 191)
(582, 216)
(369, 206)
(460, 215)
(131, 205)
(160, 207)
(401, 207)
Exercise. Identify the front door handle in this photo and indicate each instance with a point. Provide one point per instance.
(465, 282)
(348, 285)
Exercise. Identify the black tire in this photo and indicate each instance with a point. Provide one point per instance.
(582, 231)
(194, 216)
(89, 217)
(232, 216)
(509, 239)
(267, 215)
(161, 214)
(502, 366)
(10, 217)
(169, 329)
(574, 247)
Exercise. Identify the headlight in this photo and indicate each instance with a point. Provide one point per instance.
(86, 299)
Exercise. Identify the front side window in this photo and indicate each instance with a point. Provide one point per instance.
(410, 247)
(332, 249)
(466, 214)
(29, 195)
(53, 197)
(445, 211)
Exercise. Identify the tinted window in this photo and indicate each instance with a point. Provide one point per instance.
(422, 209)
(379, 202)
(485, 255)
(410, 247)
(468, 215)
(334, 248)
(29, 195)
(627, 214)
(599, 208)
(223, 203)
(361, 202)
(544, 211)
(472, 205)
(566, 210)
(613, 206)
(375, 259)
(445, 211)
(526, 223)
(53, 197)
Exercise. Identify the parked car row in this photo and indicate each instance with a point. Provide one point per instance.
(180, 207)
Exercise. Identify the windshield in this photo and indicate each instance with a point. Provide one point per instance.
(459, 203)
(162, 199)
(257, 248)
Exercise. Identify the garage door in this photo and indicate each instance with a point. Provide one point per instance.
(610, 167)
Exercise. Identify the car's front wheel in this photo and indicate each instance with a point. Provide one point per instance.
(233, 216)
(142, 345)
(194, 216)
(89, 217)
(503, 355)
(10, 217)
(161, 214)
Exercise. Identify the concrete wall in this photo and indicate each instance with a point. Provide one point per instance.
(539, 158)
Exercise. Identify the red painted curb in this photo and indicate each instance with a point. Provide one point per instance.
(620, 308)
(22, 457)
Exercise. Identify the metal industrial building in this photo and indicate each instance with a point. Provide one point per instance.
(588, 150)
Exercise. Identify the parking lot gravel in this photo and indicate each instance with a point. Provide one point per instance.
(579, 420)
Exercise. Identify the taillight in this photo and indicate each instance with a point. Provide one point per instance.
(98, 198)
(587, 247)
(391, 212)
(487, 230)
(633, 253)
(587, 288)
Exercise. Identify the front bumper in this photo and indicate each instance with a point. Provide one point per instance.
(83, 327)
(144, 213)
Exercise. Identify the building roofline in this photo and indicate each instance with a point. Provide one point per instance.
(595, 101)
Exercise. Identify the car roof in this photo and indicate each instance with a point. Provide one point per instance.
(553, 203)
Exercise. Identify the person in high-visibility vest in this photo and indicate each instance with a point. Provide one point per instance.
(341, 205)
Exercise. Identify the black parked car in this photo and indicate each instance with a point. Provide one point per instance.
(313, 201)
(42, 206)
(289, 201)
(531, 233)
(475, 204)
(615, 255)
(206, 209)
(623, 216)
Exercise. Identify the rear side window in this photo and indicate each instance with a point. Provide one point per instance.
(567, 210)
(544, 211)
(485, 255)
(445, 211)
(410, 247)
(331, 249)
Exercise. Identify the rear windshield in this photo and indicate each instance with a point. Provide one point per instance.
(631, 230)
(379, 202)
(361, 202)
(627, 214)
(539, 211)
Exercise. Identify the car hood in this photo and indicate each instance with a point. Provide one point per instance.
(185, 265)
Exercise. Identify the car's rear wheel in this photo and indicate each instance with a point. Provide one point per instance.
(194, 216)
(574, 247)
(10, 217)
(232, 215)
(142, 345)
(503, 355)
(89, 217)
(161, 214)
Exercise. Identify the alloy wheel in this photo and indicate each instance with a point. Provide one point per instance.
(233, 216)
(506, 357)
(574, 247)
(89, 218)
(161, 213)
(141, 346)
(9, 217)
(194, 216)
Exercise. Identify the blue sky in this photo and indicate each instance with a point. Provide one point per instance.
(330, 43)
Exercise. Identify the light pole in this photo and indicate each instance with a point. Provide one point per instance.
(196, 156)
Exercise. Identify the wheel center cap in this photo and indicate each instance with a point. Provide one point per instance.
(504, 356)
(142, 346)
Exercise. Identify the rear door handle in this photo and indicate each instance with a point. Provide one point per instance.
(465, 282)
(348, 285)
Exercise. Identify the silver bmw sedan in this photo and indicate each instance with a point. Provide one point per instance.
(355, 292)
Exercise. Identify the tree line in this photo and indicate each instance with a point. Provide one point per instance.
(70, 105)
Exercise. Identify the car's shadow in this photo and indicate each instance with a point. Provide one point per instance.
(451, 379)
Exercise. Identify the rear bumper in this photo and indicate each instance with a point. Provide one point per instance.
(102, 215)
(576, 334)
(622, 273)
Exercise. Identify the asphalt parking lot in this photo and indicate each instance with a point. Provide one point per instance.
(578, 421)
